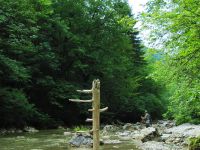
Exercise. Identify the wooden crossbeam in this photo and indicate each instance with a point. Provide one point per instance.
(103, 109)
(80, 101)
(89, 120)
(84, 91)
(90, 109)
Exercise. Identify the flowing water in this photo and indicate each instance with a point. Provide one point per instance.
(49, 140)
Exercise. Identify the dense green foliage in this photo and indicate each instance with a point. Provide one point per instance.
(48, 49)
(175, 38)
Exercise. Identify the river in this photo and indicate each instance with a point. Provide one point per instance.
(49, 140)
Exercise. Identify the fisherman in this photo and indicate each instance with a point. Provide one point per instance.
(147, 119)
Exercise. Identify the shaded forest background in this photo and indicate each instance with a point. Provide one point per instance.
(51, 48)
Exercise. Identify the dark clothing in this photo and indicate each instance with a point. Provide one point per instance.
(147, 118)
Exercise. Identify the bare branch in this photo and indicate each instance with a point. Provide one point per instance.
(80, 101)
(90, 109)
(103, 109)
(84, 91)
(89, 120)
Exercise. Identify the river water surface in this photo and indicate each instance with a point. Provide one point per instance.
(50, 140)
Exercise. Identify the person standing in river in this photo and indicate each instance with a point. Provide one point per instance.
(147, 119)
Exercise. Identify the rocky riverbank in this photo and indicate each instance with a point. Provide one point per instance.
(14, 130)
(163, 135)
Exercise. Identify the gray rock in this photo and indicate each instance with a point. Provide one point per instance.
(3, 131)
(149, 133)
(106, 137)
(125, 133)
(10, 131)
(81, 140)
(166, 123)
(110, 128)
(186, 130)
(30, 129)
(129, 126)
(67, 133)
(164, 137)
(145, 134)
(153, 145)
(112, 142)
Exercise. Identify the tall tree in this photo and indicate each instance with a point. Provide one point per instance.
(175, 28)
(48, 49)
(18, 23)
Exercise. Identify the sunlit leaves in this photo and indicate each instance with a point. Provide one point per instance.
(175, 26)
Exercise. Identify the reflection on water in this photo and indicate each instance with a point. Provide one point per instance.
(49, 140)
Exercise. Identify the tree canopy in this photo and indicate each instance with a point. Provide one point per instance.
(49, 48)
(175, 37)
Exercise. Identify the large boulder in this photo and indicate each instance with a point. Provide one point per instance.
(187, 130)
(179, 135)
(79, 140)
(162, 125)
(145, 134)
(82, 140)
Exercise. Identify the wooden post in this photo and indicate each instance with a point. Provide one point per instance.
(95, 111)
(96, 114)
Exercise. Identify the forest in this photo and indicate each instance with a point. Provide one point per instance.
(51, 48)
